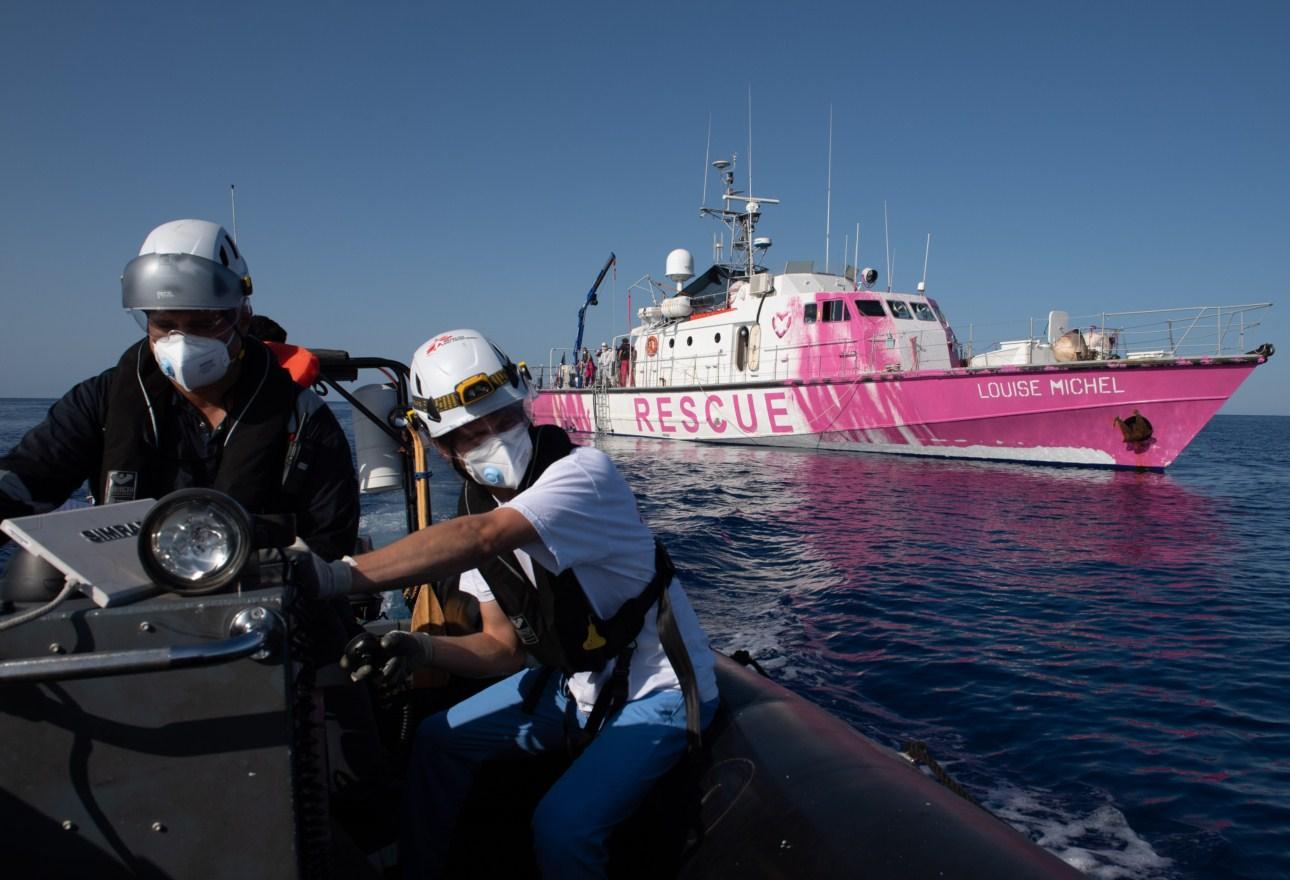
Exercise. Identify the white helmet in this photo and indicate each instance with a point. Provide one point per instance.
(460, 376)
(186, 264)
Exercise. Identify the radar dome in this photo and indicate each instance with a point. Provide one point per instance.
(680, 265)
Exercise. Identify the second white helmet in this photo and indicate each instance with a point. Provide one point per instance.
(460, 376)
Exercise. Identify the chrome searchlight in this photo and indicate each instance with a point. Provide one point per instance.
(195, 541)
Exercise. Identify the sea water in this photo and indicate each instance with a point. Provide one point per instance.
(1100, 657)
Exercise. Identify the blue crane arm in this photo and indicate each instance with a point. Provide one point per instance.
(591, 301)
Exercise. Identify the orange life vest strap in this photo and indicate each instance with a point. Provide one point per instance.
(300, 362)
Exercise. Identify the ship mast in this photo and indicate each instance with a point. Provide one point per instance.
(739, 214)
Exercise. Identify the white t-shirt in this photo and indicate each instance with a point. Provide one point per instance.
(586, 519)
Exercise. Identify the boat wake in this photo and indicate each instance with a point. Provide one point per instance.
(1099, 843)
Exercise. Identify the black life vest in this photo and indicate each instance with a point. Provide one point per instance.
(556, 622)
(141, 442)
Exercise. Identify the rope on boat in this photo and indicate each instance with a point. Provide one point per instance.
(917, 752)
(743, 658)
(310, 797)
(421, 476)
(19, 619)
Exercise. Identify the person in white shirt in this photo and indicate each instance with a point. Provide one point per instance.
(605, 365)
(579, 603)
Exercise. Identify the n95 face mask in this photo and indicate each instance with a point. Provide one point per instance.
(501, 459)
(192, 362)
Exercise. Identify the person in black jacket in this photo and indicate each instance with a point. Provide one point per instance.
(196, 403)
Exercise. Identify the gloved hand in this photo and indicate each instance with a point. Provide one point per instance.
(401, 652)
(316, 577)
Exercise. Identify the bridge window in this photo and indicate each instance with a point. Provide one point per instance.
(835, 310)
(808, 313)
(923, 311)
(899, 309)
(870, 308)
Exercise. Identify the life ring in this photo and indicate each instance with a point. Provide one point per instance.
(651, 346)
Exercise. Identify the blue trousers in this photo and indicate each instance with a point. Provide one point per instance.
(571, 825)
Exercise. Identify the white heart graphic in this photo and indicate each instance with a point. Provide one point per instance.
(780, 322)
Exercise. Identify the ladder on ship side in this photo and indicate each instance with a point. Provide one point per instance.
(600, 409)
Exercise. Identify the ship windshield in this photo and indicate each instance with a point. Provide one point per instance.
(923, 311)
(870, 308)
(708, 291)
(899, 309)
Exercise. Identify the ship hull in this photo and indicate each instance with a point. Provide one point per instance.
(1053, 414)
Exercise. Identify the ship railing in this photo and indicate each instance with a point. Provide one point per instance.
(1191, 331)
(553, 376)
(841, 358)
(1185, 332)
(561, 364)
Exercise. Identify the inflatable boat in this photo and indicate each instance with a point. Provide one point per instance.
(156, 730)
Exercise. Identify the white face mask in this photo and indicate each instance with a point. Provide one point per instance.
(501, 459)
(192, 362)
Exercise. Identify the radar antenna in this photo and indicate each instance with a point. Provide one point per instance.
(232, 197)
(922, 285)
(886, 231)
(741, 221)
(828, 197)
(707, 155)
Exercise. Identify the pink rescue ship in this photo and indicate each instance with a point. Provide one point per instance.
(827, 361)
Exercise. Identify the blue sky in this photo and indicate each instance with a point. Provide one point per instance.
(407, 168)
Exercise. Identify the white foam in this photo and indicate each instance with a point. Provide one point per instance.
(1101, 844)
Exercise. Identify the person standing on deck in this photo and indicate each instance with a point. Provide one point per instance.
(568, 577)
(624, 361)
(605, 365)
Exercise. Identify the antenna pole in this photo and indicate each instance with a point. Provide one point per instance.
(750, 186)
(926, 253)
(232, 195)
(857, 249)
(886, 231)
(828, 198)
(707, 155)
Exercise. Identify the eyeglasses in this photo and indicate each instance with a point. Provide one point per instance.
(465, 438)
(470, 390)
(196, 322)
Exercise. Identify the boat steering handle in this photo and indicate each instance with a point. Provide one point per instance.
(255, 632)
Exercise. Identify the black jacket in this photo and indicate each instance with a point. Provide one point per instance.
(57, 456)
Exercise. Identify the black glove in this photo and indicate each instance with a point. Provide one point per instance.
(315, 576)
(363, 656)
(393, 659)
